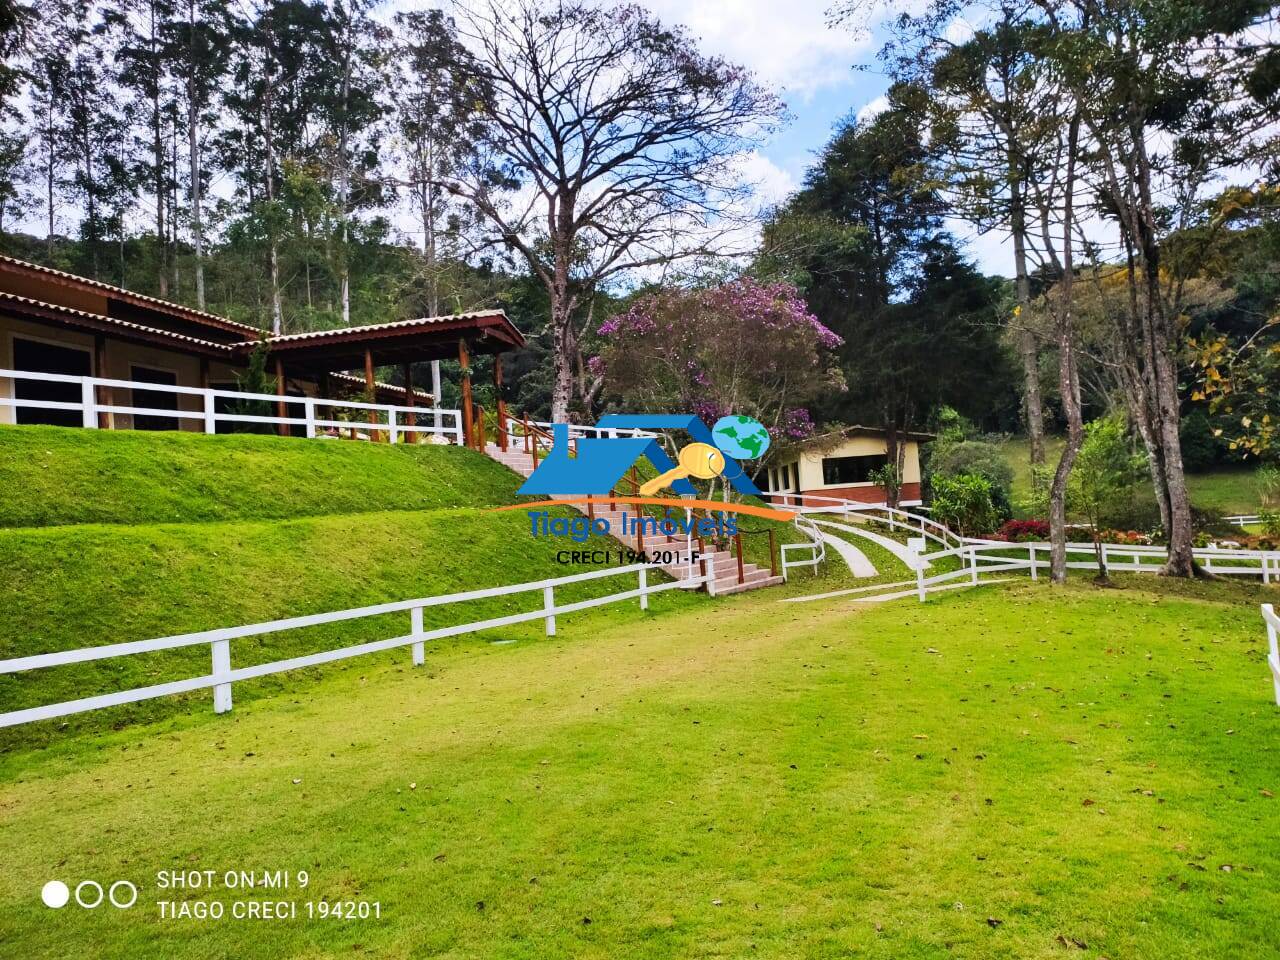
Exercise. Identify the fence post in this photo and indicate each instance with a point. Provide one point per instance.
(309, 413)
(1273, 658)
(913, 553)
(644, 588)
(549, 604)
(709, 568)
(415, 627)
(89, 403)
(210, 417)
(973, 564)
(392, 433)
(221, 667)
(1031, 553)
(1266, 570)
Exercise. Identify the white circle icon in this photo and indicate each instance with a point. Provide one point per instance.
(55, 894)
(133, 894)
(93, 884)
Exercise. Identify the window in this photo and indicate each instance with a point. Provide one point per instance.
(154, 399)
(36, 356)
(841, 470)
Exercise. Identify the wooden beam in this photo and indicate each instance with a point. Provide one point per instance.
(100, 370)
(371, 388)
(468, 425)
(502, 404)
(204, 381)
(281, 406)
(408, 399)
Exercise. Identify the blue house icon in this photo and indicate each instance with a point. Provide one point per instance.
(599, 465)
(601, 461)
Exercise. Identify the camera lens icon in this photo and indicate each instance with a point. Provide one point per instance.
(89, 894)
(55, 894)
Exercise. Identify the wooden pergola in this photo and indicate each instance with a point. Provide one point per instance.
(318, 354)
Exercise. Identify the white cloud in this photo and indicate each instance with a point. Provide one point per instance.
(867, 111)
(787, 44)
(772, 183)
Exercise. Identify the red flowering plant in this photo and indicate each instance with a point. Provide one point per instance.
(1024, 531)
(741, 347)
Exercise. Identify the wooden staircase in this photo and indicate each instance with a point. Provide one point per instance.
(730, 577)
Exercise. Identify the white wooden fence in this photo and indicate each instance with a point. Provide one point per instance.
(389, 419)
(1273, 649)
(222, 676)
(979, 557)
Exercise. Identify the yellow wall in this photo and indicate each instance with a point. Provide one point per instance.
(810, 462)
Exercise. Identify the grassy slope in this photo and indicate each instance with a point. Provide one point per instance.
(399, 523)
(108, 537)
(998, 773)
(53, 476)
(1226, 490)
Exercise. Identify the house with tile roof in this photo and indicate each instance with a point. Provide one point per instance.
(57, 323)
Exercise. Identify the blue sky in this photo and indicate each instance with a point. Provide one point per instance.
(790, 46)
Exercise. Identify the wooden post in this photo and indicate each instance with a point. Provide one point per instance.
(464, 360)
(281, 428)
(479, 425)
(103, 394)
(415, 627)
(371, 387)
(737, 542)
(221, 667)
(410, 418)
(502, 404)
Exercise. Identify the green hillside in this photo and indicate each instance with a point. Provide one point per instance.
(111, 537)
(51, 476)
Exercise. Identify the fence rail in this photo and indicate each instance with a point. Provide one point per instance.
(222, 676)
(390, 419)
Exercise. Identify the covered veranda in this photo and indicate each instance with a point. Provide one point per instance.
(333, 359)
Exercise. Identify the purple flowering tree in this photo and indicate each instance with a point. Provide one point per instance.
(610, 144)
(743, 347)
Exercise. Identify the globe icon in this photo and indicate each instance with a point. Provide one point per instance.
(741, 437)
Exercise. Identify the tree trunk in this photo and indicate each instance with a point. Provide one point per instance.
(1068, 376)
(157, 148)
(562, 350)
(562, 304)
(1181, 535)
(193, 148)
(344, 182)
(1033, 406)
(277, 310)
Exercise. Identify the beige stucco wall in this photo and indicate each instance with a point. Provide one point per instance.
(810, 463)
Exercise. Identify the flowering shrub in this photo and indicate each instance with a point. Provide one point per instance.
(1024, 531)
(1130, 538)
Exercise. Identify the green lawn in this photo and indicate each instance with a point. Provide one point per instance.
(54, 476)
(1226, 490)
(1009, 772)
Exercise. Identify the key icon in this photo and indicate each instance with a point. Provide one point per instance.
(699, 460)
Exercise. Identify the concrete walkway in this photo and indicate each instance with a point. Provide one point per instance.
(858, 563)
(899, 550)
